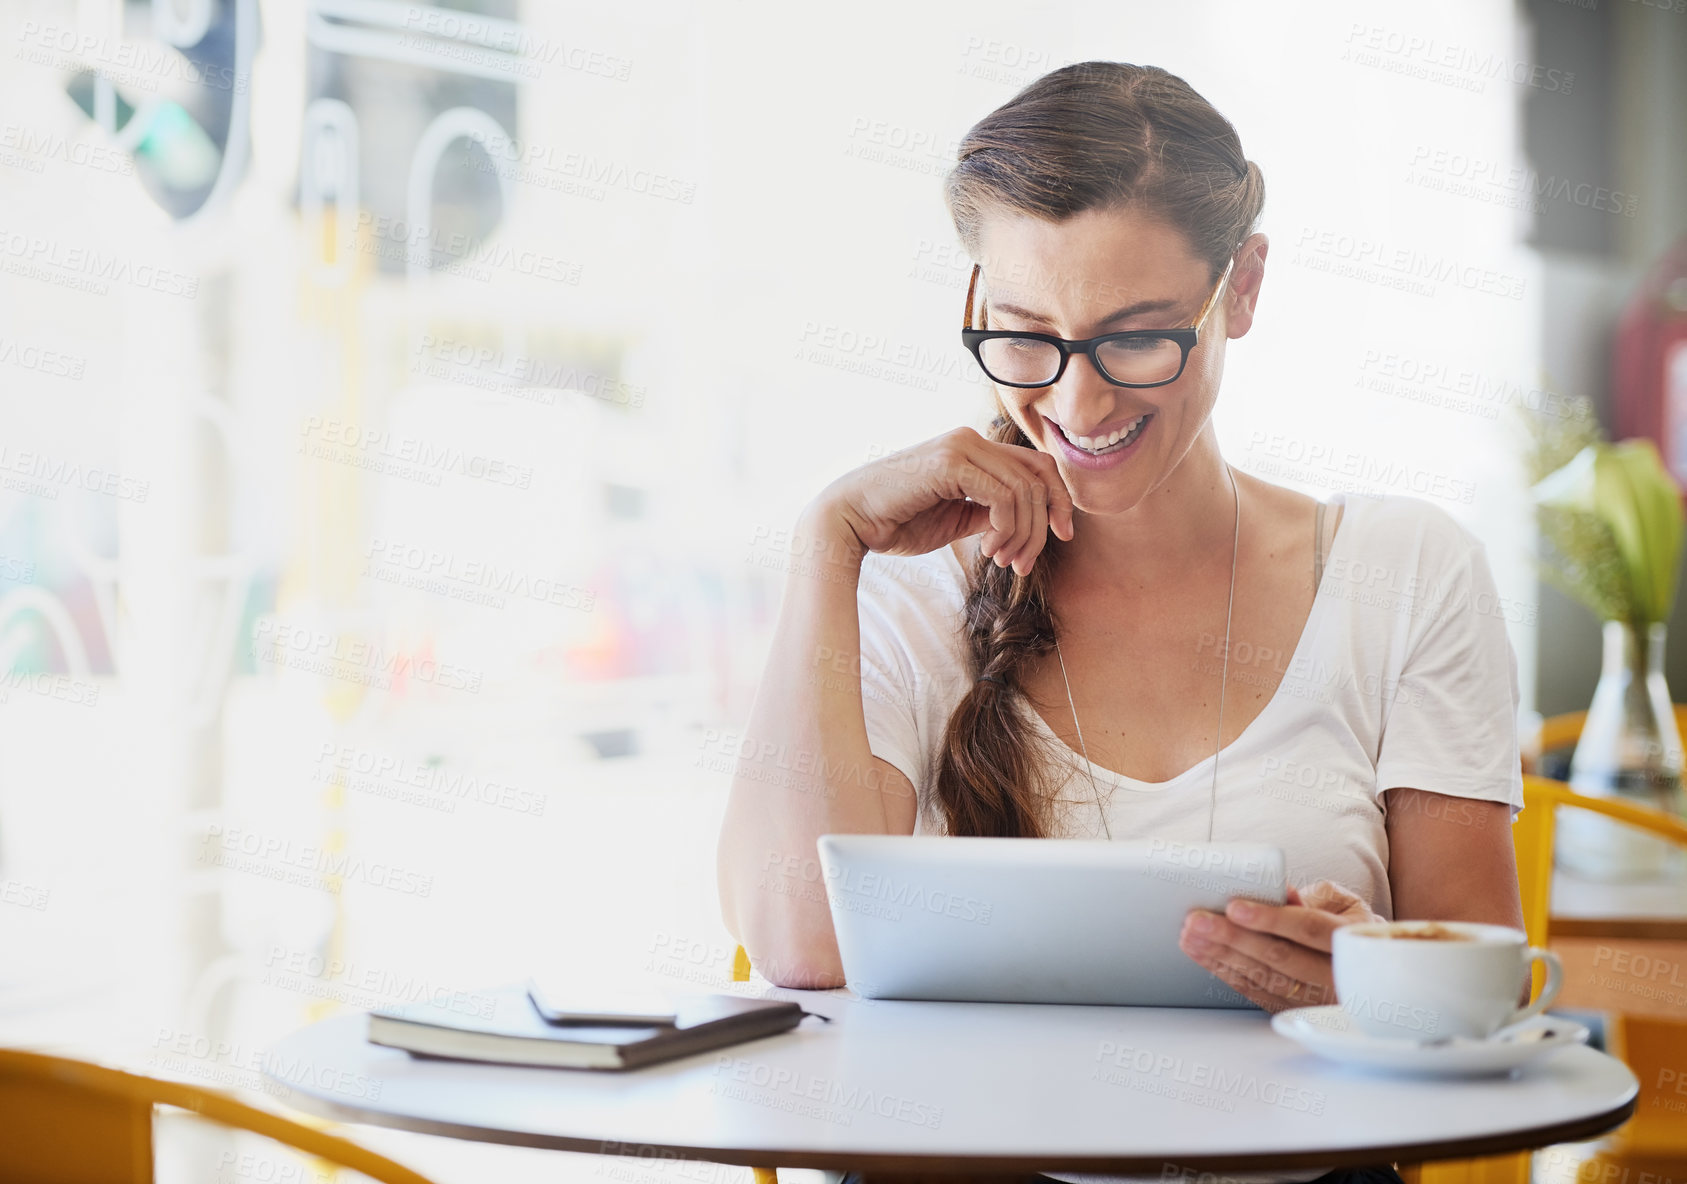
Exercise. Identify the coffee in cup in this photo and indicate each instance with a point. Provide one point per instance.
(1427, 980)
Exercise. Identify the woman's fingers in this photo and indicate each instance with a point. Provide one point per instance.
(1276, 955)
(1047, 505)
(1333, 898)
(1060, 508)
(1020, 488)
(966, 478)
(1018, 527)
(1267, 985)
(1024, 521)
(1207, 933)
(1304, 925)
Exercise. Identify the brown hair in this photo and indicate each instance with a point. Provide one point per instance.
(1094, 135)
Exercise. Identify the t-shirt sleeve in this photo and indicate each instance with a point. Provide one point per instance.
(1451, 721)
(887, 698)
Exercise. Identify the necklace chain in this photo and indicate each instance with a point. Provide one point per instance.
(1223, 678)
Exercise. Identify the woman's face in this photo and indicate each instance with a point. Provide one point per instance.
(1105, 271)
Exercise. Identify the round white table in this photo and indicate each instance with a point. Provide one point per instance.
(905, 1086)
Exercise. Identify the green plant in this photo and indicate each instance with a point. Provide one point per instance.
(1609, 515)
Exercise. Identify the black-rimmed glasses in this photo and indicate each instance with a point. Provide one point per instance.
(1137, 357)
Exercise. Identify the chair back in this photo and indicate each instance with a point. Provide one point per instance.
(73, 1122)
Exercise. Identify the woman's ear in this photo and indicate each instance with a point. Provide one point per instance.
(1245, 283)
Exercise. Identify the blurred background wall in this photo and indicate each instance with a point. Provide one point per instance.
(1625, 132)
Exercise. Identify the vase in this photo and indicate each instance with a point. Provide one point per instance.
(1630, 749)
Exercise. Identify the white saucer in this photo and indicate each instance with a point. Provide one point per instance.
(1330, 1032)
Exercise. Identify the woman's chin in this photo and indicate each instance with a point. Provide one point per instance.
(1097, 495)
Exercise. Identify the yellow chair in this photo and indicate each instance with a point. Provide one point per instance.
(72, 1122)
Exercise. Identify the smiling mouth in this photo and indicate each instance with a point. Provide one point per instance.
(1113, 442)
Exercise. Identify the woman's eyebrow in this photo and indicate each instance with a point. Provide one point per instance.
(1130, 310)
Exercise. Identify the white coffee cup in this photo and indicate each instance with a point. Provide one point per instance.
(1393, 979)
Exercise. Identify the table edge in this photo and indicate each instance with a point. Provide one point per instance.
(1527, 1139)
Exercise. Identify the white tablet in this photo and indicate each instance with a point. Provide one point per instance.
(1034, 920)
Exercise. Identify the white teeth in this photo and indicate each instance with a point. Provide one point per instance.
(1097, 443)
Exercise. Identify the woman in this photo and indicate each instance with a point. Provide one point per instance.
(1087, 624)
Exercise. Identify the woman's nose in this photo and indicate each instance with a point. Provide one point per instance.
(1082, 397)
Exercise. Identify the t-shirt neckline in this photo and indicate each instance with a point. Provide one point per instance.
(1308, 633)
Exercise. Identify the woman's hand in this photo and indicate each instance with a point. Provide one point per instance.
(925, 497)
(1276, 955)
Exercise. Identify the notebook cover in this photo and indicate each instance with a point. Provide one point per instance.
(702, 1022)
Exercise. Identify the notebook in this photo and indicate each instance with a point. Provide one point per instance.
(512, 1032)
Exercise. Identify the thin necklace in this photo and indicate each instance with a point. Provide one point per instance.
(1212, 798)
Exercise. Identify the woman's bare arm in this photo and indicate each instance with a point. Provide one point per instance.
(804, 766)
(1451, 859)
(804, 769)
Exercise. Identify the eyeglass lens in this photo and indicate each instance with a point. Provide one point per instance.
(1030, 362)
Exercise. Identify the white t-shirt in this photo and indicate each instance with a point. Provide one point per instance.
(1403, 677)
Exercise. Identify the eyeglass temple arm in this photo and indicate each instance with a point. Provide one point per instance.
(1213, 299)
